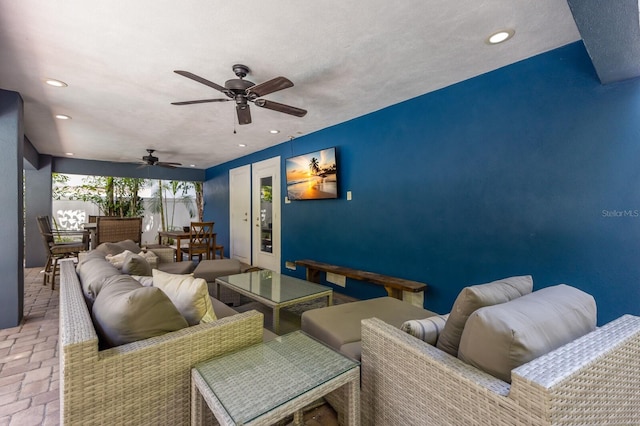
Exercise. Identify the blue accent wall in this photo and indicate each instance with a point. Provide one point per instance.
(529, 169)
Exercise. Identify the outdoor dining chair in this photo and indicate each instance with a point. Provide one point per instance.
(59, 244)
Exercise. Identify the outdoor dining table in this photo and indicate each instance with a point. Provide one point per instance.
(178, 236)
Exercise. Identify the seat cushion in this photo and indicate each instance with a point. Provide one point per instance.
(339, 324)
(475, 297)
(125, 311)
(499, 338)
(211, 269)
(93, 271)
(185, 267)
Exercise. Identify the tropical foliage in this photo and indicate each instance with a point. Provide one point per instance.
(114, 196)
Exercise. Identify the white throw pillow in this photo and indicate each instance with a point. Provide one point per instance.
(427, 329)
(190, 295)
(117, 260)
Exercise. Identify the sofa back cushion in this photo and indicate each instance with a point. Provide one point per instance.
(499, 338)
(475, 297)
(125, 311)
(93, 271)
(119, 247)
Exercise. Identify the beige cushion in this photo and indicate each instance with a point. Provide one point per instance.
(190, 295)
(339, 324)
(475, 297)
(124, 311)
(499, 338)
(426, 329)
(135, 264)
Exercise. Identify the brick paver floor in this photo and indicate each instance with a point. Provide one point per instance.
(29, 380)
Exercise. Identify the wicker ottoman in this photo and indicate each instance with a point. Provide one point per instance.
(211, 269)
(339, 325)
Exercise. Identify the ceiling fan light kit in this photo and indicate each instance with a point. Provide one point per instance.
(243, 91)
(152, 160)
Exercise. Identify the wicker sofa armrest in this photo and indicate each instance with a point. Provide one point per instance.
(589, 380)
(145, 382)
(165, 254)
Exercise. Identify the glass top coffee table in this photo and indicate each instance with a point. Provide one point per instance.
(265, 383)
(274, 290)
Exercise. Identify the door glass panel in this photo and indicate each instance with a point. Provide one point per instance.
(266, 206)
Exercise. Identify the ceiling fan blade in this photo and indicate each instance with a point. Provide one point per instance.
(201, 101)
(142, 165)
(276, 106)
(204, 81)
(244, 114)
(168, 165)
(269, 86)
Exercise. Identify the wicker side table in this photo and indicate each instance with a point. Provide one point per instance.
(265, 383)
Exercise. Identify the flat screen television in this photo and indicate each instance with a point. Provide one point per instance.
(312, 176)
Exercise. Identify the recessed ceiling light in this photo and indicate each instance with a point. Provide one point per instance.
(274, 131)
(55, 83)
(242, 145)
(69, 153)
(63, 117)
(500, 36)
(192, 165)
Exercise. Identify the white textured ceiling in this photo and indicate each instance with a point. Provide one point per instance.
(346, 59)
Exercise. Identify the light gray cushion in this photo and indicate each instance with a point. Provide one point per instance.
(499, 338)
(475, 297)
(426, 329)
(92, 272)
(125, 311)
(134, 264)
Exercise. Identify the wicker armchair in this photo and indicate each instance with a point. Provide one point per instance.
(141, 383)
(593, 380)
(114, 229)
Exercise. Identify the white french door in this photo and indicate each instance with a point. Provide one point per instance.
(240, 213)
(266, 213)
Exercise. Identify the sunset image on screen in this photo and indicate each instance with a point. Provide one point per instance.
(312, 176)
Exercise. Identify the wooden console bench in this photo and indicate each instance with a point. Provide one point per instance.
(394, 286)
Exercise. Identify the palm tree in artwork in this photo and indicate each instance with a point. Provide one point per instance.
(314, 166)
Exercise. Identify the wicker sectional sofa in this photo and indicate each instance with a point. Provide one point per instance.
(142, 383)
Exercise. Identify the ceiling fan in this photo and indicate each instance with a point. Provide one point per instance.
(242, 91)
(151, 160)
